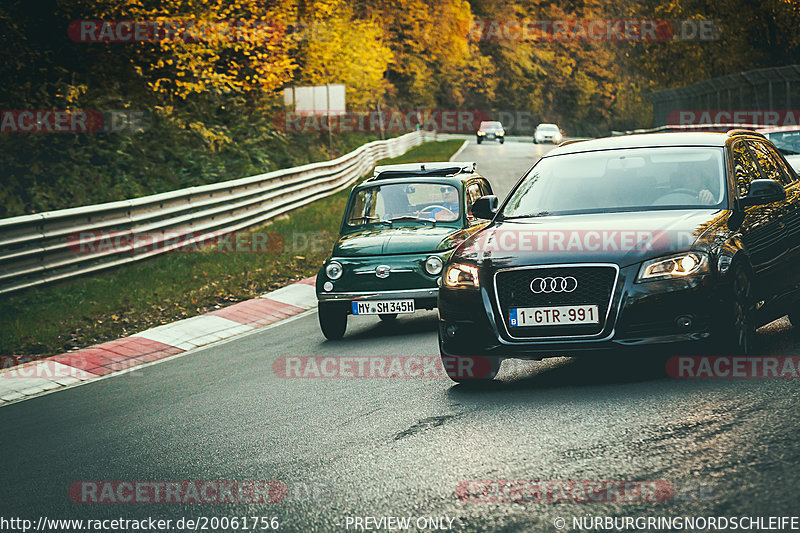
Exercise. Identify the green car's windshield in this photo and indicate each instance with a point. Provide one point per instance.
(404, 202)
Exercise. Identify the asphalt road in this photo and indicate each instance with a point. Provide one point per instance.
(400, 447)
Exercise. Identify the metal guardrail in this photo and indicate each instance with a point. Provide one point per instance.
(41, 248)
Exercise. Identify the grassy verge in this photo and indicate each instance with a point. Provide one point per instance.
(85, 311)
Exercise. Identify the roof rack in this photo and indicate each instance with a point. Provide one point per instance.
(442, 168)
(734, 133)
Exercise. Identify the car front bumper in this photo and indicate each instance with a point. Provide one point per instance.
(640, 314)
(423, 298)
(378, 295)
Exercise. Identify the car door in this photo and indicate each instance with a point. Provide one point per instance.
(774, 167)
(762, 234)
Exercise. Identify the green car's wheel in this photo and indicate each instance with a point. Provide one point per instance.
(332, 321)
(388, 317)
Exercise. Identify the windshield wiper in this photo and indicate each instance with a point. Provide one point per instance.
(373, 220)
(411, 217)
(532, 215)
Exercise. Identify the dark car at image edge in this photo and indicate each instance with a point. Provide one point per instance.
(717, 218)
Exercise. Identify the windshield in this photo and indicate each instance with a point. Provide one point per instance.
(621, 180)
(547, 127)
(490, 125)
(404, 202)
(788, 142)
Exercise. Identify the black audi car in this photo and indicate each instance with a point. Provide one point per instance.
(625, 242)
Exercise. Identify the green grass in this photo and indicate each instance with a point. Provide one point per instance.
(81, 312)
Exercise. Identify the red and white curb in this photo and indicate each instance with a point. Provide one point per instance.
(114, 357)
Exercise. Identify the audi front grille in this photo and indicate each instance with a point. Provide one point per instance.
(555, 286)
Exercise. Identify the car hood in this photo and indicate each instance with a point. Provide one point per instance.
(621, 238)
(398, 240)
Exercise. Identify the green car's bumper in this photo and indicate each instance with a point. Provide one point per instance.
(407, 280)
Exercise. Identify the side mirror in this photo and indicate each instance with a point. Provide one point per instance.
(485, 207)
(763, 192)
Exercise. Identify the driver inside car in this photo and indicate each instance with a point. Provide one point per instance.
(698, 182)
(447, 207)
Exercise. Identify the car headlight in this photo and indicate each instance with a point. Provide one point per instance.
(334, 270)
(433, 265)
(481, 133)
(501, 133)
(459, 275)
(676, 266)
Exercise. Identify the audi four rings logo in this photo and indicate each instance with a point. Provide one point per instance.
(551, 285)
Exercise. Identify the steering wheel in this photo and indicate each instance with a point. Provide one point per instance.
(676, 196)
(435, 206)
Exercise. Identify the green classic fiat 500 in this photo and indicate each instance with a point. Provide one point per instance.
(399, 228)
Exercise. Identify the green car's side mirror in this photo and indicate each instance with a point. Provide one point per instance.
(485, 207)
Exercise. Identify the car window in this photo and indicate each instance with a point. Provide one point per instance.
(787, 142)
(744, 167)
(473, 193)
(638, 179)
(431, 201)
(771, 164)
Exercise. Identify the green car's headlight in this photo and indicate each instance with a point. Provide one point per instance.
(460, 275)
(433, 265)
(675, 266)
(334, 270)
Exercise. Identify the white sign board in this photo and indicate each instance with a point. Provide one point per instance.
(316, 100)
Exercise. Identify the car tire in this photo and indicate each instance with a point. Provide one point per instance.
(502, 141)
(332, 321)
(739, 330)
(388, 317)
(534, 141)
(452, 364)
(479, 140)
